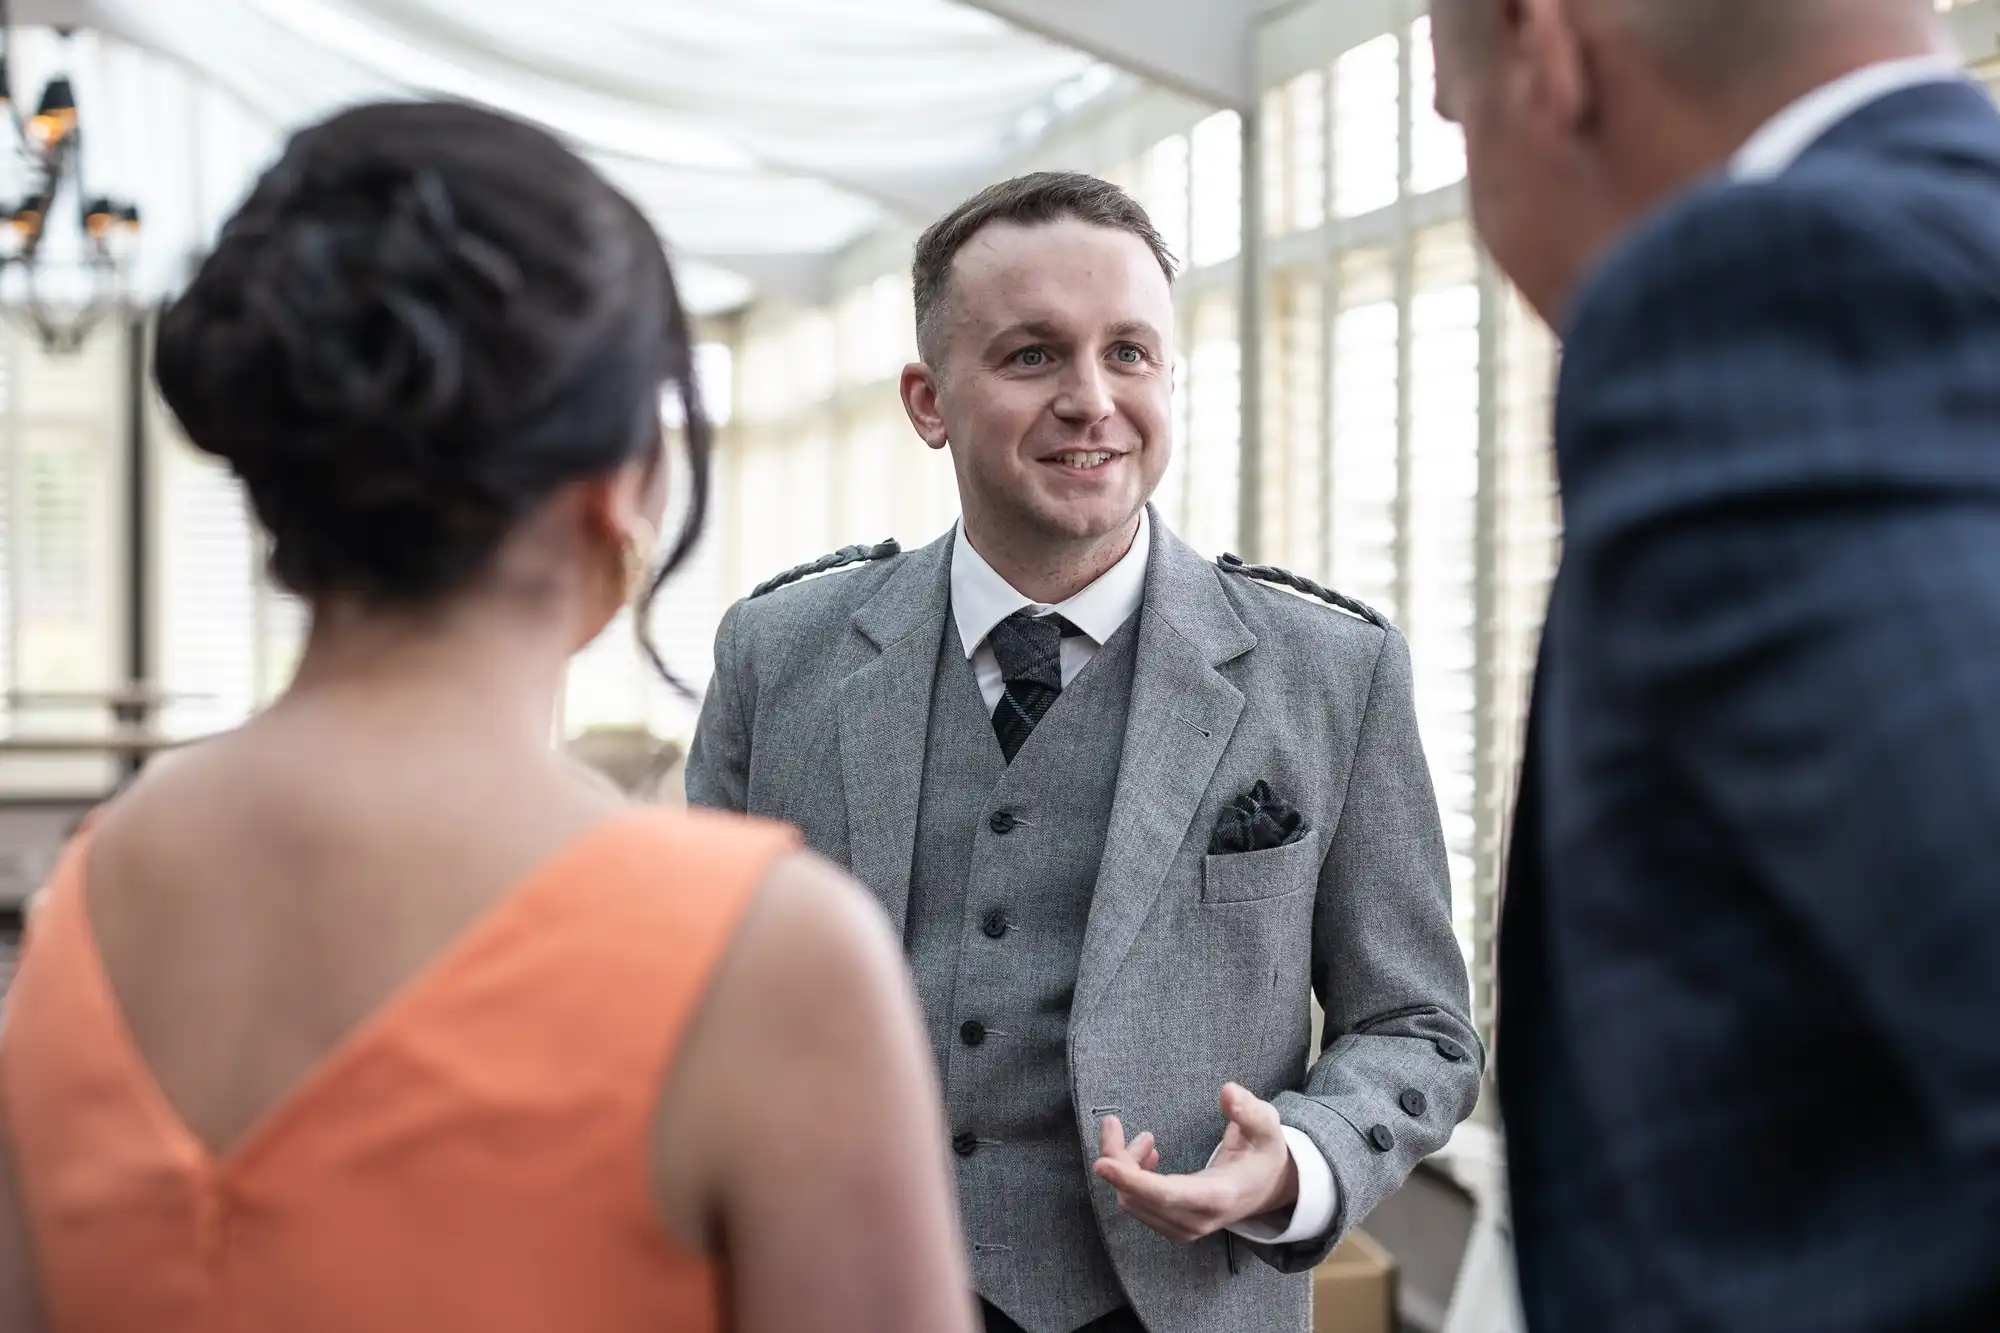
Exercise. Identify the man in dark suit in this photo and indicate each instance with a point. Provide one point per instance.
(1749, 1044)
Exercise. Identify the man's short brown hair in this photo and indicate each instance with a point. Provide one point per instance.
(1027, 201)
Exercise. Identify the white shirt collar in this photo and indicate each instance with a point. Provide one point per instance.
(1784, 139)
(981, 599)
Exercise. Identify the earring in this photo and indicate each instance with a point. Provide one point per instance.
(636, 559)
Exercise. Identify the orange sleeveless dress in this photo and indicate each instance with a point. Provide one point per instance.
(472, 1159)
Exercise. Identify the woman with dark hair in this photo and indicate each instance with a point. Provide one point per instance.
(376, 1015)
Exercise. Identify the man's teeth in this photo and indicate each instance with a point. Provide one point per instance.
(1083, 460)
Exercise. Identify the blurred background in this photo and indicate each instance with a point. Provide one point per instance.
(1361, 396)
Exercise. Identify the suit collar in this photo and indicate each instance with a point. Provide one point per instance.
(1184, 713)
(1950, 119)
(1185, 592)
(885, 713)
(915, 593)
(1793, 132)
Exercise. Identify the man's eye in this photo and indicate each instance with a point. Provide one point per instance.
(1130, 355)
(1032, 357)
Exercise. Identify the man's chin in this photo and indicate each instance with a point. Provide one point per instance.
(1077, 523)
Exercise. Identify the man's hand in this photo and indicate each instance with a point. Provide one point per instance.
(1251, 1174)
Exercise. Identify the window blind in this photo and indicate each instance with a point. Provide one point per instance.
(1442, 505)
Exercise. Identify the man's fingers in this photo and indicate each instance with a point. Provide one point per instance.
(1111, 1137)
(1163, 1192)
(1140, 1148)
(1119, 1168)
(1165, 1224)
(1257, 1118)
(1151, 1161)
(1181, 1208)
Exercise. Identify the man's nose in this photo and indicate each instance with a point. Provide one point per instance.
(1085, 396)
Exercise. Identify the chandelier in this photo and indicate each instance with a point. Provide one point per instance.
(58, 283)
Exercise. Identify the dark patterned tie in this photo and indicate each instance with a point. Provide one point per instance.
(1030, 651)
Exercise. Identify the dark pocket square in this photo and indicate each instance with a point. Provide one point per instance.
(1256, 821)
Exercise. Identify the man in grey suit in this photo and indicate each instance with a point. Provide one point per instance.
(1131, 809)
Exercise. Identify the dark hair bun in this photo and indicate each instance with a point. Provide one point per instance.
(424, 319)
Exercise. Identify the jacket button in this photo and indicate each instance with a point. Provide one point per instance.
(1381, 1138)
(1450, 1049)
(972, 1032)
(996, 925)
(965, 1145)
(1412, 1102)
(1002, 822)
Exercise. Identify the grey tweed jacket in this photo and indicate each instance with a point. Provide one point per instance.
(1196, 969)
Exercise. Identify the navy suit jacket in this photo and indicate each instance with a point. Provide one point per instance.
(1749, 1037)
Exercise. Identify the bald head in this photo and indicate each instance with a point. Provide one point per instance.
(1715, 45)
(1709, 43)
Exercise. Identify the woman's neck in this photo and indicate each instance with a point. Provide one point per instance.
(470, 669)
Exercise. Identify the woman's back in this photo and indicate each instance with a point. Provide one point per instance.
(413, 1036)
(291, 1133)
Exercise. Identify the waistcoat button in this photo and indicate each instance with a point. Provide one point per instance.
(972, 1032)
(1381, 1138)
(1412, 1102)
(965, 1145)
(996, 925)
(1002, 822)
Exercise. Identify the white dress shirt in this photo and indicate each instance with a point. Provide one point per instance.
(1772, 150)
(980, 600)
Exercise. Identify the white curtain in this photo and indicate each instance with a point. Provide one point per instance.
(756, 127)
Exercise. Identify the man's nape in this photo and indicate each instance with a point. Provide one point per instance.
(1582, 117)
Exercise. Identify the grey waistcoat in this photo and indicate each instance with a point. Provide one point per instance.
(995, 933)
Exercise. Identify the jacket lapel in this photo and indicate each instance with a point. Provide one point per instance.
(884, 720)
(1183, 715)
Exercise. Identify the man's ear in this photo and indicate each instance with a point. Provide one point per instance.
(1555, 39)
(920, 401)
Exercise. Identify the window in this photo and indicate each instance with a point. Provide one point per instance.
(875, 446)
(1440, 617)
(1171, 496)
(60, 428)
(1216, 157)
(1305, 155)
(813, 367)
(764, 393)
(1526, 542)
(1365, 470)
(1295, 180)
(1294, 425)
(715, 376)
(875, 332)
(1367, 146)
(854, 323)
(1437, 147)
(1163, 192)
(1214, 438)
(208, 586)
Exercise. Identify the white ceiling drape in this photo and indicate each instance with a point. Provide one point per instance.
(742, 127)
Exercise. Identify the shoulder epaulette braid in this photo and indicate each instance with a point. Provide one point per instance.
(1299, 583)
(841, 559)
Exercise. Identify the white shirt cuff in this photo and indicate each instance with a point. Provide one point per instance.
(1312, 1215)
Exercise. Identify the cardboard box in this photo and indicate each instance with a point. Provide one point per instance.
(1354, 1291)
